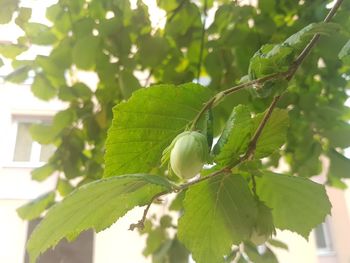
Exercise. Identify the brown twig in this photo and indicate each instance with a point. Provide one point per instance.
(141, 223)
(252, 144)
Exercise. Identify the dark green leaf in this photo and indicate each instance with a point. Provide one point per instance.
(178, 253)
(340, 165)
(339, 135)
(128, 83)
(153, 50)
(84, 55)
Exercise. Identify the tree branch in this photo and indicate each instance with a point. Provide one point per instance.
(252, 144)
(313, 41)
(288, 74)
(199, 67)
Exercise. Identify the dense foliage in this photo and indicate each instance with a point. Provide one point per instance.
(239, 195)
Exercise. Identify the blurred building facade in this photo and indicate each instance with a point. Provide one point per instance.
(19, 154)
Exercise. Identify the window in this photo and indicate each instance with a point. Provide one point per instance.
(78, 251)
(26, 150)
(323, 238)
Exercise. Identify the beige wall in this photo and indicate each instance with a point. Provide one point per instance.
(13, 232)
(299, 250)
(340, 225)
(118, 244)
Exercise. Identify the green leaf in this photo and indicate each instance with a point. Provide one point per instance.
(218, 213)
(154, 240)
(18, 75)
(298, 204)
(153, 50)
(301, 37)
(128, 83)
(24, 15)
(167, 5)
(178, 253)
(64, 187)
(235, 136)
(42, 133)
(340, 165)
(39, 34)
(84, 55)
(96, 205)
(77, 91)
(46, 134)
(344, 53)
(41, 173)
(339, 135)
(7, 7)
(11, 50)
(267, 60)
(270, 59)
(83, 27)
(42, 88)
(274, 134)
(146, 124)
(34, 208)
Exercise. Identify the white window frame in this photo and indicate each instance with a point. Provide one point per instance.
(36, 147)
(329, 249)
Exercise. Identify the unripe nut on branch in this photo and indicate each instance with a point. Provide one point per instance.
(189, 154)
